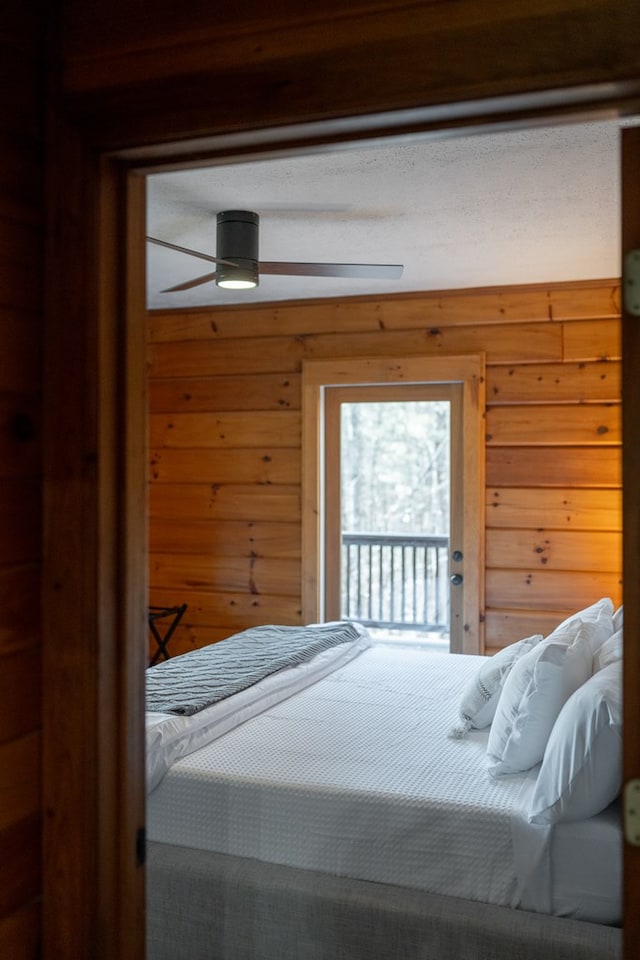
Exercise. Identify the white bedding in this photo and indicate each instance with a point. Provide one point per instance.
(356, 776)
(169, 737)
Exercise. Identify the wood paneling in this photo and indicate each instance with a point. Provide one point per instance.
(507, 626)
(201, 571)
(20, 447)
(21, 797)
(217, 538)
(178, 501)
(565, 590)
(555, 383)
(223, 473)
(266, 465)
(553, 467)
(20, 591)
(211, 357)
(555, 509)
(21, 324)
(187, 638)
(20, 671)
(20, 846)
(585, 341)
(527, 342)
(227, 612)
(20, 360)
(20, 933)
(226, 430)
(259, 392)
(570, 301)
(134, 79)
(365, 19)
(548, 549)
(21, 524)
(530, 425)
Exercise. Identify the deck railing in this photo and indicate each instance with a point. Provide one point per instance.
(396, 581)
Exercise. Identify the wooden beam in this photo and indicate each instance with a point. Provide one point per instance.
(443, 65)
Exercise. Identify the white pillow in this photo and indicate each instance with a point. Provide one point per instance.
(609, 652)
(480, 697)
(540, 683)
(598, 618)
(581, 773)
(617, 619)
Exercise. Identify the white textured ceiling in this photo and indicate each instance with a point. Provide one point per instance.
(531, 206)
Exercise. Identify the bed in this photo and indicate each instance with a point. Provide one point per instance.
(360, 800)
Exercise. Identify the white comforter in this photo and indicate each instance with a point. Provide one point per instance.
(169, 737)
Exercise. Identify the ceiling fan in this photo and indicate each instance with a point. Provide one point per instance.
(238, 266)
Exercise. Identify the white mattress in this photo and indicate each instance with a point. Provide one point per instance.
(355, 776)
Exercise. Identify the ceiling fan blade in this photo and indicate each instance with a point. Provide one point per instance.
(366, 271)
(188, 284)
(191, 253)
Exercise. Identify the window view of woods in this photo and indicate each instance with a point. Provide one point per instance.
(395, 509)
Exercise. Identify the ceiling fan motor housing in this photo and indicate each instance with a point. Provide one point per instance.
(237, 241)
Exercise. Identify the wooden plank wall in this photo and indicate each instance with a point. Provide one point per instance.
(21, 215)
(225, 447)
(136, 79)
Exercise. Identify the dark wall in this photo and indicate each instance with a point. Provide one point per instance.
(21, 235)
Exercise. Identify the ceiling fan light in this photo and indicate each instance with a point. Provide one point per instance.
(237, 243)
(238, 275)
(230, 284)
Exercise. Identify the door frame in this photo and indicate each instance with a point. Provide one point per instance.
(466, 370)
(631, 528)
(94, 584)
(94, 576)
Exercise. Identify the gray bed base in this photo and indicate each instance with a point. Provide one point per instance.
(208, 906)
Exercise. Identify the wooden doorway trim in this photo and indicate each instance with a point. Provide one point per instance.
(94, 568)
(90, 868)
(631, 528)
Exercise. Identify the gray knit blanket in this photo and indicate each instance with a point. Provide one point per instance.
(188, 683)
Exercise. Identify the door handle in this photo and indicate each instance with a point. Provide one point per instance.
(456, 579)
